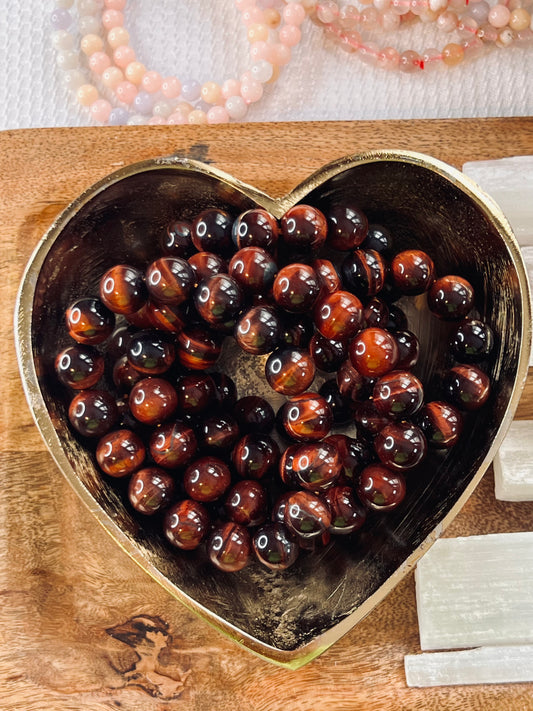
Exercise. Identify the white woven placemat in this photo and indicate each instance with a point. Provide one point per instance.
(205, 39)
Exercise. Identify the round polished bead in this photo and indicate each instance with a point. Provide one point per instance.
(398, 394)
(441, 423)
(255, 228)
(229, 547)
(153, 400)
(363, 272)
(373, 352)
(170, 280)
(196, 392)
(397, 319)
(369, 418)
(206, 479)
(219, 432)
(88, 321)
(197, 348)
(290, 371)
(225, 391)
(173, 445)
(122, 289)
(473, 341)
(400, 446)
(255, 455)
(316, 465)
(218, 299)
(246, 503)
(211, 231)
(304, 228)
(254, 269)
(285, 469)
(150, 490)
(167, 317)
(274, 546)
(339, 316)
(176, 240)
(186, 524)
(206, 265)
(378, 238)
(347, 227)
(296, 288)
(306, 417)
(408, 349)
(92, 413)
(120, 453)
(254, 414)
(306, 514)
(79, 367)
(350, 382)
(412, 271)
(125, 375)
(380, 488)
(296, 330)
(258, 330)
(375, 313)
(353, 453)
(150, 352)
(327, 275)
(327, 354)
(467, 386)
(347, 513)
(451, 298)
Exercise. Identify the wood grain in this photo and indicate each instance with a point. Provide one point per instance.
(81, 627)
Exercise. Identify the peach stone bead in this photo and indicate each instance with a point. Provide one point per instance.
(280, 54)
(100, 110)
(294, 13)
(259, 50)
(251, 91)
(112, 18)
(211, 92)
(271, 18)
(117, 36)
(499, 16)
(151, 81)
(252, 16)
(99, 62)
(112, 77)
(452, 54)
(177, 119)
(290, 35)
(87, 94)
(157, 121)
(410, 61)
(389, 58)
(520, 19)
(231, 87)
(90, 44)
(197, 116)
(126, 92)
(257, 32)
(217, 114)
(135, 72)
(447, 21)
(115, 4)
(123, 56)
(171, 87)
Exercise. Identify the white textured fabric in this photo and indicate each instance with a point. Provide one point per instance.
(205, 39)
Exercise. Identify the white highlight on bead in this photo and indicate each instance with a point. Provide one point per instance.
(513, 464)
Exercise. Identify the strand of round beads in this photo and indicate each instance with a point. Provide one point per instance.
(501, 25)
(123, 90)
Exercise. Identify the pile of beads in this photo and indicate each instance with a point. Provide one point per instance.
(314, 292)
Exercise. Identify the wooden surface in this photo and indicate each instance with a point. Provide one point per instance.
(81, 626)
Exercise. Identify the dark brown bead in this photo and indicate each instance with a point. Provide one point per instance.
(120, 453)
(296, 330)
(347, 513)
(408, 349)
(367, 416)
(198, 348)
(150, 490)
(196, 392)
(256, 228)
(79, 367)
(254, 414)
(354, 454)
(286, 471)
(258, 330)
(316, 465)
(153, 400)
(327, 276)
(186, 524)
(219, 432)
(306, 417)
(92, 413)
(122, 289)
(376, 313)
(467, 386)
(206, 265)
(125, 375)
(380, 488)
(378, 238)
(176, 240)
(327, 354)
(254, 269)
(218, 299)
(151, 352)
(451, 298)
(397, 319)
(173, 445)
(229, 547)
(363, 273)
(347, 227)
(170, 280)
(412, 271)
(225, 390)
(89, 321)
(255, 455)
(442, 424)
(211, 231)
(246, 503)
(342, 408)
(290, 371)
(206, 479)
(400, 446)
(296, 288)
(338, 316)
(306, 514)
(473, 341)
(304, 228)
(398, 394)
(274, 547)
(167, 317)
(350, 382)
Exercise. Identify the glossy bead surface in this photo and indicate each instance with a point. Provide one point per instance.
(347, 227)
(79, 367)
(167, 317)
(255, 455)
(246, 503)
(196, 392)
(441, 423)
(451, 298)
(306, 417)
(397, 319)
(258, 330)
(328, 277)
(225, 390)
(400, 446)
(186, 524)
(303, 228)
(176, 240)
(286, 472)
(412, 271)
(327, 354)
(125, 375)
(342, 408)
(254, 269)
(206, 265)
(254, 414)
(316, 465)
(378, 238)
(173, 445)
(206, 479)
(347, 513)
(398, 394)
(467, 386)
(363, 272)
(408, 349)
(367, 416)
(274, 547)
(255, 228)
(306, 514)
(197, 348)
(122, 289)
(473, 341)
(374, 352)
(290, 371)
(229, 547)
(350, 382)
(218, 432)
(218, 299)
(296, 288)
(211, 231)
(380, 488)
(375, 313)
(169, 280)
(296, 330)
(89, 321)
(150, 490)
(120, 453)
(353, 453)
(153, 400)
(92, 413)
(151, 352)
(339, 316)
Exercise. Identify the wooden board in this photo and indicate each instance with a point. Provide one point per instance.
(81, 626)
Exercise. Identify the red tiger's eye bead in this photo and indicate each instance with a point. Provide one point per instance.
(290, 371)
(467, 386)
(316, 465)
(219, 432)
(398, 394)
(206, 479)
(350, 382)
(246, 503)
(327, 275)
(306, 417)
(197, 348)
(89, 321)
(151, 352)
(150, 490)
(408, 349)
(211, 231)
(79, 367)
(380, 488)
(120, 453)
(176, 240)
(306, 514)
(374, 352)
(304, 227)
(442, 424)
(412, 271)
(173, 445)
(253, 269)
(347, 513)
(125, 375)
(195, 393)
(186, 524)
(229, 547)
(339, 316)
(170, 280)
(327, 354)
(206, 265)
(218, 299)
(347, 227)
(153, 400)
(363, 272)
(256, 228)
(254, 414)
(258, 330)
(354, 454)
(400, 446)
(451, 298)
(376, 313)
(122, 289)
(296, 288)
(255, 455)
(274, 547)
(473, 341)
(92, 413)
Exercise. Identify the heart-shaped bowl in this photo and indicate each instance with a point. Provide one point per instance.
(287, 617)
